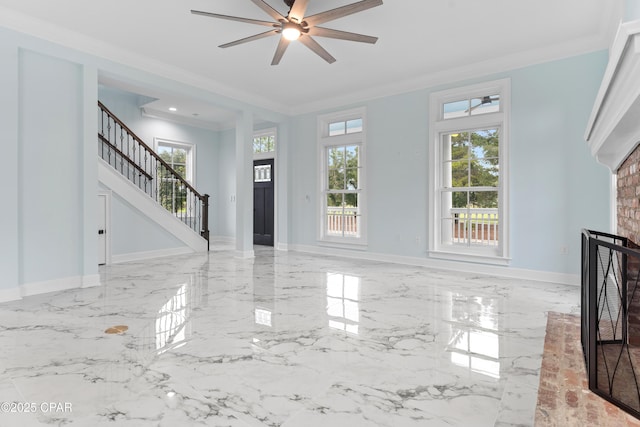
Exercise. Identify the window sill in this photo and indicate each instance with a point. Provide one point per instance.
(471, 257)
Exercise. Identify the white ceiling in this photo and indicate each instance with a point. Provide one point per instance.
(421, 43)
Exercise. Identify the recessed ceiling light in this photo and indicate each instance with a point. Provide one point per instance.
(173, 109)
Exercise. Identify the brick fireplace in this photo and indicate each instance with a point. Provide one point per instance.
(628, 197)
(611, 266)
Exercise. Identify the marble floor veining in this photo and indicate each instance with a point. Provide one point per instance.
(285, 339)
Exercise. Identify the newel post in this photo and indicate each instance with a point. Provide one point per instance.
(205, 218)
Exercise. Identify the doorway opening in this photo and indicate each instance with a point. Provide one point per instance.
(263, 202)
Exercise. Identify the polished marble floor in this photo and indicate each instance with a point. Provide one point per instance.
(285, 339)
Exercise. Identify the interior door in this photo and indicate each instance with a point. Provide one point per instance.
(102, 229)
(263, 202)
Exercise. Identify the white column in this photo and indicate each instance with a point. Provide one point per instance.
(282, 184)
(244, 184)
(9, 214)
(90, 276)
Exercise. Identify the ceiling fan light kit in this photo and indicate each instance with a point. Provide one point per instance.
(297, 26)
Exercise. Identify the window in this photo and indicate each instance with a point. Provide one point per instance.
(264, 142)
(342, 145)
(181, 157)
(469, 173)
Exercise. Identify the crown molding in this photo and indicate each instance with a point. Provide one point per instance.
(613, 130)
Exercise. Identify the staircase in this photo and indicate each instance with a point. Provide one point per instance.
(150, 184)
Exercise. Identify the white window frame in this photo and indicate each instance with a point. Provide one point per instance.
(439, 126)
(275, 173)
(325, 141)
(189, 147)
(266, 154)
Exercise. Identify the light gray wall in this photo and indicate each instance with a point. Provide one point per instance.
(632, 10)
(47, 128)
(131, 231)
(43, 139)
(50, 200)
(10, 212)
(556, 187)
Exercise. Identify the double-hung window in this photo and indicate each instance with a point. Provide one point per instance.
(341, 141)
(180, 156)
(469, 173)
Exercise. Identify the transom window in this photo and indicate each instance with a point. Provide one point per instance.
(471, 106)
(264, 142)
(345, 126)
(469, 173)
(341, 141)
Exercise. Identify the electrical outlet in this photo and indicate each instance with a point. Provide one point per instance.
(564, 250)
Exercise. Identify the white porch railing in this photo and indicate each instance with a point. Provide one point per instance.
(343, 222)
(477, 226)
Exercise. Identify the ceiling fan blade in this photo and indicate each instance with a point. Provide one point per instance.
(319, 50)
(250, 39)
(339, 12)
(283, 44)
(342, 35)
(271, 11)
(297, 10)
(235, 18)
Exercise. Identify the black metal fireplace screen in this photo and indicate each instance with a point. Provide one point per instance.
(611, 318)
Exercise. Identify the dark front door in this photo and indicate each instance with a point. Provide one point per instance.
(263, 174)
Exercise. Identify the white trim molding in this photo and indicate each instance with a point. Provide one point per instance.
(47, 286)
(90, 281)
(467, 121)
(11, 294)
(466, 267)
(326, 141)
(143, 255)
(613, 130)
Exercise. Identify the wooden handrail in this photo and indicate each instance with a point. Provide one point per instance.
(151, 151)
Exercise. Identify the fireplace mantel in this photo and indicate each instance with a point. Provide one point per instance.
(614, 126)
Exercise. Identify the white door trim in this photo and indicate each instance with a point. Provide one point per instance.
(107, 194)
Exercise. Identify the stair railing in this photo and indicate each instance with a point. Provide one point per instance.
(136, 161)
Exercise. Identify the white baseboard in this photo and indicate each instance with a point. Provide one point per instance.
(282, 247)
(491, 270)
(224, 240)
(143, 255)
(245, 254)
(46, 286)
(11, 294)
(89, 281)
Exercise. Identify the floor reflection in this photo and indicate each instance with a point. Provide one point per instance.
(474, 342)
(343, 296)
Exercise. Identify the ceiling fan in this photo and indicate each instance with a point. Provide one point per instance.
(297, 26)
